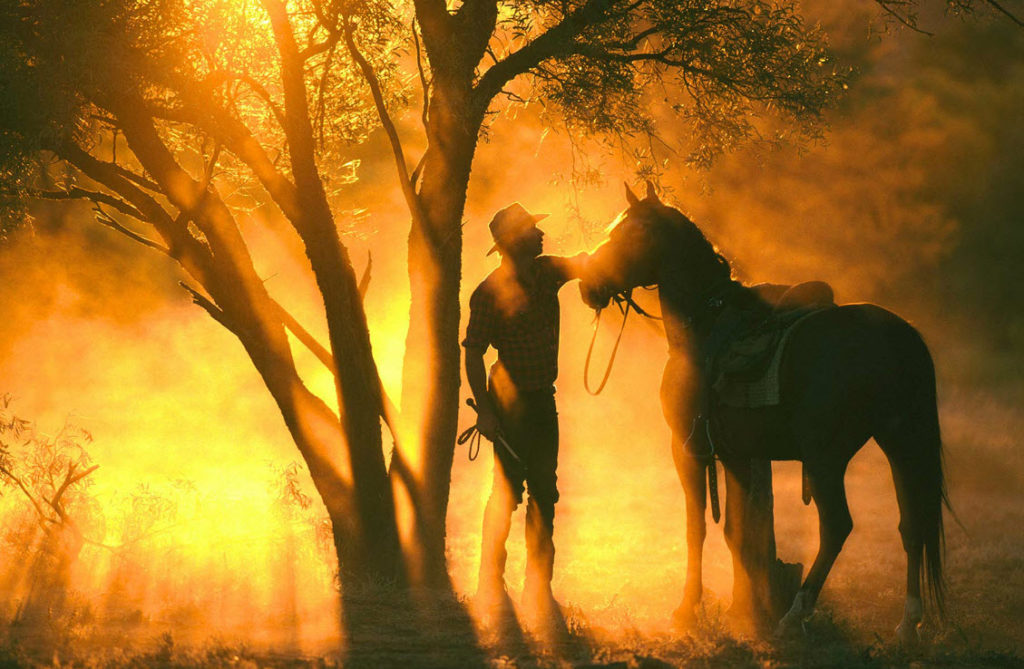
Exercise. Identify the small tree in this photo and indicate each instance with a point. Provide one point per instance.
(50, 474)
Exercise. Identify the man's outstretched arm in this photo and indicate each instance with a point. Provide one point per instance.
(567, 268)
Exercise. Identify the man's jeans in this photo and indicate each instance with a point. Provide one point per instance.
(529, 424)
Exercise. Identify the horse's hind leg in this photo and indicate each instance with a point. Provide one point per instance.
(834, 526)
(691, 474)
(910, 438)
(912, 535)
(913, 610)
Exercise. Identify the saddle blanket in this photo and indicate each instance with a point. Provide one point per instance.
(747, 371)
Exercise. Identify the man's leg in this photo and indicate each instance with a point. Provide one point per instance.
(540, 546)
(497, 523)
(540, 510)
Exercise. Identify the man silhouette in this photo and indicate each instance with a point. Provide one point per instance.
(515, 310)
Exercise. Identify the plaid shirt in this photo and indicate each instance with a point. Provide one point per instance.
(521, 325)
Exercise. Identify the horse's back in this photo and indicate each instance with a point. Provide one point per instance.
(864, 337)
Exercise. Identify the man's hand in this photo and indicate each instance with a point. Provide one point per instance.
(487, 423)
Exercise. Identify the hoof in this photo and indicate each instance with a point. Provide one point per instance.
(684, 618)
(908, 631)
(541, 608)
(789, 628)
(792, 624)
(909, 635)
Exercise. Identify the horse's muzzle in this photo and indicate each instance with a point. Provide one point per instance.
(594, 296)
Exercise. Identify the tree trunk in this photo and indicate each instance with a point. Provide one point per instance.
(50, 574)
(431, 376)
(769, 585)
(359, 396)
(355, 489)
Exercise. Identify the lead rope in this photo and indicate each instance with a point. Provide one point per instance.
(611, 360)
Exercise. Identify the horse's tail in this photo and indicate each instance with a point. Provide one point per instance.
(929, 493)
(914, 447)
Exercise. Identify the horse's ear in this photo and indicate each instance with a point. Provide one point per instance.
(631, 197)
(652, 193)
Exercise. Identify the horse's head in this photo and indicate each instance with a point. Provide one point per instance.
(632, 253)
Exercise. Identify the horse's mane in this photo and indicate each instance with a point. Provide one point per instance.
(686, 244)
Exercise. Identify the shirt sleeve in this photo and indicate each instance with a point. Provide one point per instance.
(482, 320)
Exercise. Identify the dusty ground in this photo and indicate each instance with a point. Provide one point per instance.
(853, 627)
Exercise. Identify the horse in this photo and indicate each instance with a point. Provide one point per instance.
(849, 373)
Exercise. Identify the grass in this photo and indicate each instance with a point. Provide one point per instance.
(828, 641)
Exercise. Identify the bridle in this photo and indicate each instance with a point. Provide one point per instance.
(624, 297)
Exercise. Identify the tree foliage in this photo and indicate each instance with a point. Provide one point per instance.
(728, 60)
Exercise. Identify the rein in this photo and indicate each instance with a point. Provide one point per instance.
(620, 298)
(611, 360)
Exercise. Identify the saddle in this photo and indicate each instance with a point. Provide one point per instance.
(745, 367)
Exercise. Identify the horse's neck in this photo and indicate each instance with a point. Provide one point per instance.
(679, 340)
(690, 278)
(676, 321)
(689, 317)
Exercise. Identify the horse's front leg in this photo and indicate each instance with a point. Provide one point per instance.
(691, 475)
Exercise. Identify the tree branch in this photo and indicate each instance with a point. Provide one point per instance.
(103, 218)
(378, 99)
(905, 20)
(364, 283)
(21, 485)
(69, 479)
(261, 91)
(304, 336)
(999, 7)
(238, 139)
(389, 411)
(209, 168)
(181, 245)
(424, 84)
(297, 126)
(207, 304)
(76, 193)
(406, 182)
(137, 179)
(633, 41)
(320, 47)
(554, 41)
